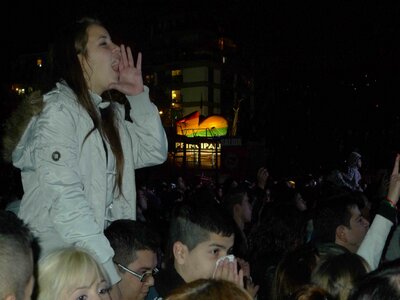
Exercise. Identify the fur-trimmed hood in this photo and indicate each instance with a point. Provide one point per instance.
(16, 125)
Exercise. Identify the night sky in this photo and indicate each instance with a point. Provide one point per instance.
(300, 29)
(328, 72)
(355, 36)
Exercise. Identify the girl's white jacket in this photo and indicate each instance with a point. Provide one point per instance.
(64, 177)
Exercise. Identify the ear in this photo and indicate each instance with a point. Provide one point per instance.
(180, 251)
(80, 58)
(10, 297)
(341, 235)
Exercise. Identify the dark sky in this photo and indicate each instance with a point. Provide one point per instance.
(29, 26)
(301, 25)
(361, 30)
(344, 50)
(288, 39)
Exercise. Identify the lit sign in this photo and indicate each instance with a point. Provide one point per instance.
(212, 126)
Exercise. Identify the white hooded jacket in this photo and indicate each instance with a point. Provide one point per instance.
(64, 176)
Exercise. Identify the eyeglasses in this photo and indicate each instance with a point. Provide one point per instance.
(142, 277)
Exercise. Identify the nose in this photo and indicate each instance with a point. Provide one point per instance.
(223, 253)
(102, 297)
(116, 48)
(149, 281)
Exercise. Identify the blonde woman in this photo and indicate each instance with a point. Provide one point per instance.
(71, 274)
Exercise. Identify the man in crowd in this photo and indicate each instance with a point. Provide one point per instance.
(136, 246)
(16, 258)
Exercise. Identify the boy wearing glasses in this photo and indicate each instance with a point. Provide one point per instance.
(135, 246)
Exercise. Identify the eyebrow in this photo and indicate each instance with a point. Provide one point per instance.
(217, 245)
(103, 37)
(81, 288)
(87, 287)
(145, 269)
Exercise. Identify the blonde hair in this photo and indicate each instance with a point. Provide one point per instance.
(338, 274)
(202, 289)
(63, 270)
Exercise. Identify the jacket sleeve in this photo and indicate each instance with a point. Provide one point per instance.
(374, 242)
(148, 138)
(56, 158)
(393, 249)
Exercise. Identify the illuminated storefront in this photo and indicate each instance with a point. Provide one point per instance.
(198, 142)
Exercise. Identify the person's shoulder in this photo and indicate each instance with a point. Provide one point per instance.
(153, 294)
(59, 91)
(328, 249)
(166, 281)
(61, 96)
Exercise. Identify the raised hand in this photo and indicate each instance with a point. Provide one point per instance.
(249, 286)
(227, 270)
(394, 184)
(130, 75)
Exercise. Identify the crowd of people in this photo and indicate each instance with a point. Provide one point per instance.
(86, 228)
(240, 239)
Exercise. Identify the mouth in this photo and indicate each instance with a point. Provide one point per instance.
(115, 66)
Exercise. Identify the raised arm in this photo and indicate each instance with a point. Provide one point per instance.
(372, 246)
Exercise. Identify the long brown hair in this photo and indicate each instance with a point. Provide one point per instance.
(66, 66)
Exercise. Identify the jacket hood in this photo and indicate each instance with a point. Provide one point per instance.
(16, 125)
